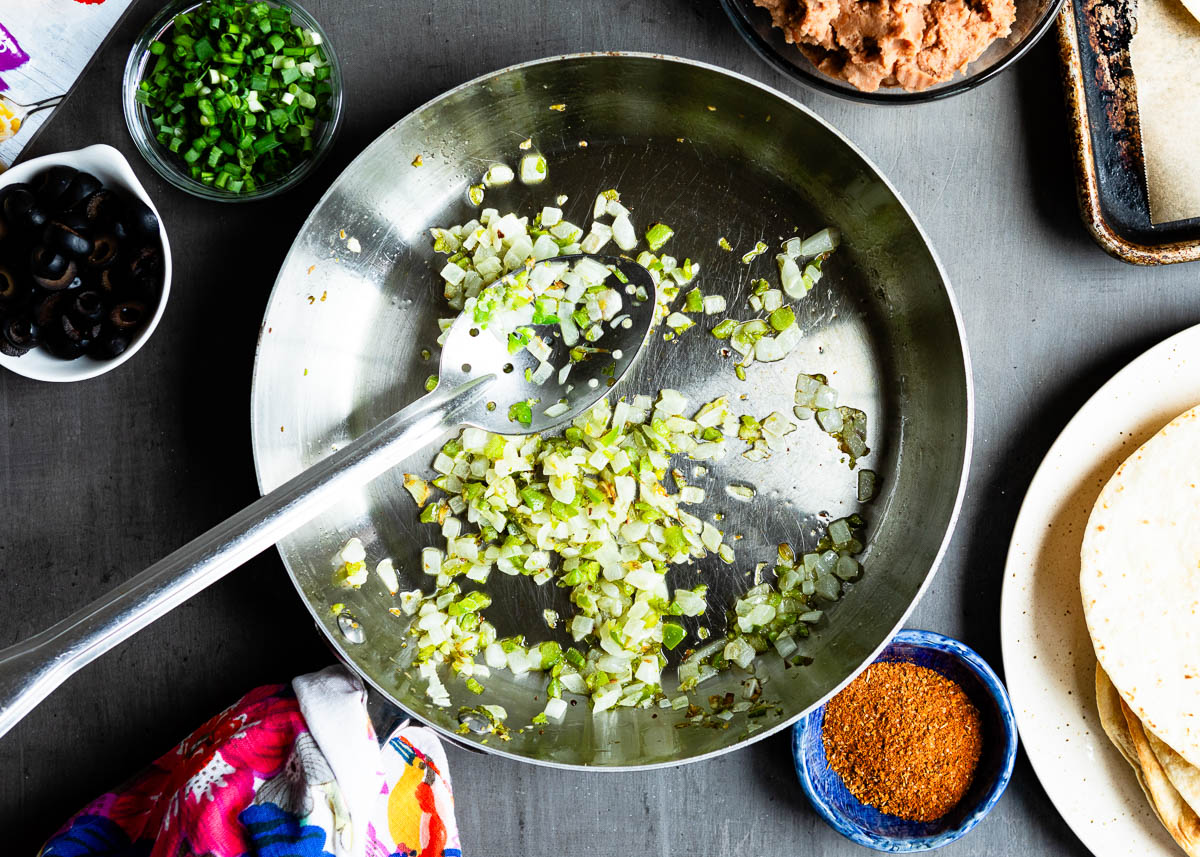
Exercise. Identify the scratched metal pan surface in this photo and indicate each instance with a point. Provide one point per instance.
(1106, 137)
(714, 155)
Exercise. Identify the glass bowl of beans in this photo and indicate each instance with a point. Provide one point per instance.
(233, 100)
(915, 751)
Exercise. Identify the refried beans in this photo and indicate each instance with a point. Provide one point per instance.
(908, 43)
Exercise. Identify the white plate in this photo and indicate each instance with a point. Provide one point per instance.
(1048, 659)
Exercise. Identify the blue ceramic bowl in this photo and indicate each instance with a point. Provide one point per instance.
(874, 829)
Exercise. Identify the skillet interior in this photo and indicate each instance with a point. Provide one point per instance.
(714, 155)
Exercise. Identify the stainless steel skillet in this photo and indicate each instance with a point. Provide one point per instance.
(714, 155)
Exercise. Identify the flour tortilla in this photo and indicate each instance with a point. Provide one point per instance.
(1173, 810)
(1140, 582)
(1177, 817)
(1108, 705)
(1184, 777)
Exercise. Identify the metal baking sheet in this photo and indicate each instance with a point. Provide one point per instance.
(1101, 96)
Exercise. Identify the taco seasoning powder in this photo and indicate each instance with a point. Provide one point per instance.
(904, 739)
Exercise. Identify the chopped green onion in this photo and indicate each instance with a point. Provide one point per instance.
(758, 250)
(673, 634)
(521, 412)
(782, 318)
(236, 87)
(658, 235)
(723, 329)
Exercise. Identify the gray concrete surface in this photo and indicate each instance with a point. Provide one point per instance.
(99, 479)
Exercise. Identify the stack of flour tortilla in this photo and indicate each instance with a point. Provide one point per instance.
(1140, 581)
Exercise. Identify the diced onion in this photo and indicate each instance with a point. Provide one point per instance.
(623, 232)
(387, 574)
(830, 420)
(743, 493)
(498, 175)
(353, 551)
(790, 277)
(590, 510)
(533, 169)
(825, 241)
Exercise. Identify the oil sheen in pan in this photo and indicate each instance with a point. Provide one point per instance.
(714, 155)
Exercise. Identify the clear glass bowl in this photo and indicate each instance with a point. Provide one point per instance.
(167, 164)
(1034, 17)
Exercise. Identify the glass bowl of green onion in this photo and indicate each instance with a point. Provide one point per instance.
(233, 100)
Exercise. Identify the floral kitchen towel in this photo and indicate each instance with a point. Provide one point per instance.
(44, 47)
(288, 771)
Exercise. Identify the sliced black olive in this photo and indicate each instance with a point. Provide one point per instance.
(44, 263)
(12, 188)
(76, 220)
(104, 250)
(139, 219)
(11, 350)
(79, 329)
(102, 207)
(52, 184)
(88, 305)
(10, 287)
(81, 187)
(21, 209)
(20, 332)
(35, 218)
(110, 282)
(119, 230)
(46, 313)
(146, 262)
(47, 262)
(110, 345)
(67, 349)
(127, 316)
(144, 289)
(15, 188)
(67, 239)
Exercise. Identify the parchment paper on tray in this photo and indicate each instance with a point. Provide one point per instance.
(1165, 56)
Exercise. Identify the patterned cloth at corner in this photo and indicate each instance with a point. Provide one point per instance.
(288, 771)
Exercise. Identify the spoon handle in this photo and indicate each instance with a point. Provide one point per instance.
(31, 669)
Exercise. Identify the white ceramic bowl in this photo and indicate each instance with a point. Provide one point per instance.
(111, 168)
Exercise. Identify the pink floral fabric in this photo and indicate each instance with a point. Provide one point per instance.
(253, 782)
